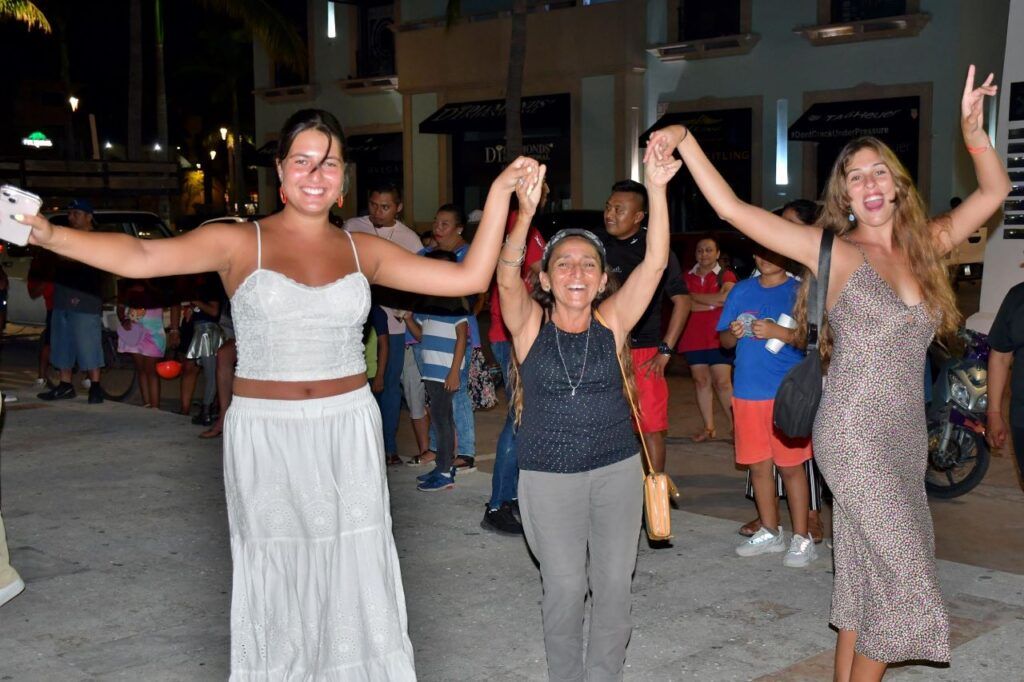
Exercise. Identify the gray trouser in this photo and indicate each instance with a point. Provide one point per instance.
(564, 516)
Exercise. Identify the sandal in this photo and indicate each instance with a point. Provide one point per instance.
(748, 529)
(464, 464)
(394, 460)
(425, 457)
(211, 432)
(705, 435)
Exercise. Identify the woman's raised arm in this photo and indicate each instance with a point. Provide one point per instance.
(769, 230)
(993, 182)
(392, 266)
(518, 310)
(624, 308)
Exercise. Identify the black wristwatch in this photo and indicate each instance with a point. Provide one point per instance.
(664, 349)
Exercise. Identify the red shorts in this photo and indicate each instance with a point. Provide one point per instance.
(758, 440)
(652, 393)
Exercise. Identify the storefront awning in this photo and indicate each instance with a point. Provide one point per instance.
(544, 111)
(857, 118)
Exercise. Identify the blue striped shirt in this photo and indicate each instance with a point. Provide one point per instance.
(438, 344)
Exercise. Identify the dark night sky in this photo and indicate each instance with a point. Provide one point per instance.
(98, 48)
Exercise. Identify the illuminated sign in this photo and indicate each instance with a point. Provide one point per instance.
(37, 140)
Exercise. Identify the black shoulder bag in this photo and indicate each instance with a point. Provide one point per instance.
(796, 402)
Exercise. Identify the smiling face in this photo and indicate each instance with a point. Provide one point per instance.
(574, 275)
(312, 172)
(623, 214)
(870, 188)
(707, 254)
(447, 230)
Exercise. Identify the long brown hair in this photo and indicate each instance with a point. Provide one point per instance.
(910, 234)
(547, 302)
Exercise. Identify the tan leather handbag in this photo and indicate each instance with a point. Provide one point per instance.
(658, 486)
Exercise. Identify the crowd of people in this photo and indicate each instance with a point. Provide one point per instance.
(336, 327)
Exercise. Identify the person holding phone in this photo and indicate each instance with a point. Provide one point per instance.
(316, 581)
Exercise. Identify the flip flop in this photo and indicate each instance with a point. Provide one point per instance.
(425, 457)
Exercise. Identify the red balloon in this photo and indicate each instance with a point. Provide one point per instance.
(168, 369)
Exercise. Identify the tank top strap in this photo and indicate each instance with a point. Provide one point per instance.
(259, 247)
(355, 253)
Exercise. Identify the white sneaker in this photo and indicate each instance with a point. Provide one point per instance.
(762, 542)
(11, 591)
(801, 552)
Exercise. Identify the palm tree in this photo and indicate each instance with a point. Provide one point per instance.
(25, 12)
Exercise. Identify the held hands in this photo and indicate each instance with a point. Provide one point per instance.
(660, 166)
(972, 108)
(663, 142)
(529, 190)
(519, 171)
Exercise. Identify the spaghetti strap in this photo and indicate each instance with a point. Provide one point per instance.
(355, 253)
(259, 247)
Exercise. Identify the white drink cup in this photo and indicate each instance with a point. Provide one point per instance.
(775, 345)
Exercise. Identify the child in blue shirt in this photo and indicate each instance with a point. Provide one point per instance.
(441, 326)
(748, 323)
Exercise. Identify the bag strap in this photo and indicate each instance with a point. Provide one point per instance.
(819, 290)
(629, 395)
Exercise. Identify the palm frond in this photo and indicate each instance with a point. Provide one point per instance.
(25, 12)
(274, 31)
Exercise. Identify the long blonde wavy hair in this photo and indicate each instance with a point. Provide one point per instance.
(547, 302)
(911, 235)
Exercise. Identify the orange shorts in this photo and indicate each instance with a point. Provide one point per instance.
(758, 440)
(652, 393)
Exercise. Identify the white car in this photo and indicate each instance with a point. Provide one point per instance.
(23, 309)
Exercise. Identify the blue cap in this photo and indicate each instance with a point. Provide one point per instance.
(81, 205)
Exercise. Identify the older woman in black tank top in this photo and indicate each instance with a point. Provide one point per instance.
(580, 480)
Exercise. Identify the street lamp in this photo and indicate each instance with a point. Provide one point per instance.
(213, 154)
(73, 101)
(223, 133)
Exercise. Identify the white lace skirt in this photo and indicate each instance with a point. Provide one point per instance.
(317, 591)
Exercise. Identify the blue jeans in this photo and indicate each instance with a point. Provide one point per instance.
(462, 407)
(390, 399)
(505, 481)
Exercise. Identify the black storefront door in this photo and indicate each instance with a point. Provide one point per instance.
(378, 159)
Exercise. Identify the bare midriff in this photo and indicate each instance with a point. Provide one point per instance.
(297, 390)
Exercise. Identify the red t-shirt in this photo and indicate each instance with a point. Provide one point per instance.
(699, 333)
(535, 244)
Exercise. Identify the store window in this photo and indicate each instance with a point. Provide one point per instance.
(701, 19)
(377, 159)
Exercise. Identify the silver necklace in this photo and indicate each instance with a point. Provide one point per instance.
(586, 348)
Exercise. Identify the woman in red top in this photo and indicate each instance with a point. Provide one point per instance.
(709, 283)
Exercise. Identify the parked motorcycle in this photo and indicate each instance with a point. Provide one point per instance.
(958, 456)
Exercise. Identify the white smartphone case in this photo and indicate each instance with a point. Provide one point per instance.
(14, 201)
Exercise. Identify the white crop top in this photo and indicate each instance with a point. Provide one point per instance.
(288, 331)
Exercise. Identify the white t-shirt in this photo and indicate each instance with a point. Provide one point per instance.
(399, 234)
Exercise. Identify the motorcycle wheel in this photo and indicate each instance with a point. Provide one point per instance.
(960, 468)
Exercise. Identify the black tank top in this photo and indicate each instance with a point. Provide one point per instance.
(565, 433)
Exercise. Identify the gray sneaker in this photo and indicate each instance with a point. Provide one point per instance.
(801, 552)
(763, 542)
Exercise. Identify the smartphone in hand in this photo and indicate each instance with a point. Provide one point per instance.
(14, 201)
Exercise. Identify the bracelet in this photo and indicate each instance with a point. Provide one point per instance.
(520, 249)
(512, 263)
(978, 150)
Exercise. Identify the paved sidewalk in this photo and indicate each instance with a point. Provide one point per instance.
(116, 520)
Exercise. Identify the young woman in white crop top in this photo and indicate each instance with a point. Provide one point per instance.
(317, 592)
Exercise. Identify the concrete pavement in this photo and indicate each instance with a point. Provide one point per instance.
(115, 518)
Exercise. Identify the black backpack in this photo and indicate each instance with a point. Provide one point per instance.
(796, 402)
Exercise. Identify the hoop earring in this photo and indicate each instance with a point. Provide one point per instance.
(341, 200)
(284, 197)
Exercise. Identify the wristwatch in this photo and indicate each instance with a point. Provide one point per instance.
(664, 349)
